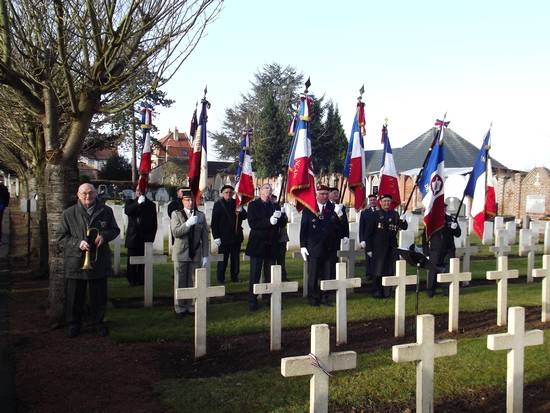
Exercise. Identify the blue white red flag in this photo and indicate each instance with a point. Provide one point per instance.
(198, 172)
(354, 165)
(301, 181)
(145, 161)
(480, 188)
(431, 186)
(389, 181)
(244, 186)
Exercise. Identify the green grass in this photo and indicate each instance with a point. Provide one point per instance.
(376, 381)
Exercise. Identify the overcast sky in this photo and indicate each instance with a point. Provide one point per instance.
(479, 61)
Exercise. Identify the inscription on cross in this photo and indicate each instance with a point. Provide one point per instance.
(319, 364)
(400, 281)
(544, 273)
(454, 277)
(502, 276)
(148, 259)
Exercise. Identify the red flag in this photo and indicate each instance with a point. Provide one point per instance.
(145, 162)
(245, 185)
(389, 182)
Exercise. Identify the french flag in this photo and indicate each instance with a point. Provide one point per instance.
(431, 187)
(145, 161)
(301, 181)
(245, 185)
(198, 162)
(389, 183)
(480, 188)
(354, 165)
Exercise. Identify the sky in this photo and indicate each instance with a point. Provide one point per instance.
(478, 61)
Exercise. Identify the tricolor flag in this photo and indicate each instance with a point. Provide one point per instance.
(244, 186)
(301, 181)
(145, 162)
(389, 183)
(480, 188)
(431, 186)
(354, 165)
(198, 162)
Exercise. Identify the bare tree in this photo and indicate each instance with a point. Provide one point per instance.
(67, 61)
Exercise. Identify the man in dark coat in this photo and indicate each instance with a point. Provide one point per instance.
(227, 231)
(265, 220)
(363, 219)
(440, 248)
(76, 220)
(381, 242)
(317, 231)
(142, 228)
(4, 202)
(342, 228)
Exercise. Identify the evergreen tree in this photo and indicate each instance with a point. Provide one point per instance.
(271, 140)
(336, 137)
(317, 131)
(116, 168)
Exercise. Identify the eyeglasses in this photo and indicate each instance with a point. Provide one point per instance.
(86, 193)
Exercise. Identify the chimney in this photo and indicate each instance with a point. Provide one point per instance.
(176, 134)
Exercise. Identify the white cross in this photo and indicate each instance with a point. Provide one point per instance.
(276, 288)
(212, 257)
(200, 293)
(528, 247)
(298, 255)
(341, 284)
(466, 253)
(423, 352)
(547, 239)
(454, 277)
(502, 276)
(544, 273)
(117, 242)
(319, 364)
(501, 243)
(348, 255)
(515, 342)
(400, 280)
(148, 259)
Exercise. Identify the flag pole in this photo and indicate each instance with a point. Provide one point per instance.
(424, 163)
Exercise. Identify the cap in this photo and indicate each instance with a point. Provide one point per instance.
(223, 188)
(386, 196)
(332, 188)
(322, 188)
(372, 196)
(187, 193)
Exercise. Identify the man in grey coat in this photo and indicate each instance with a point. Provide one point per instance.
(87, 213)
(190, 250)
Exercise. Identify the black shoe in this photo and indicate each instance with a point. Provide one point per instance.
(73, 331)
(102, 330)
(221, 282)
(430, 293)
(253, 307)
(234, 280)
(326, 302)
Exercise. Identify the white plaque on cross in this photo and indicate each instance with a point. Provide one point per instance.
(400, 280)
(454, 277)
(544, 273)
(319, 364)
(348, 255)
(515, 342)
(276, 288)
(341, 284)
(148, 259)
(502, 276)
(424, 351)
(200, 293)
(298, 255)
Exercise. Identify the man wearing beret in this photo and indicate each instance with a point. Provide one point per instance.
(381, 242)
(342, 228)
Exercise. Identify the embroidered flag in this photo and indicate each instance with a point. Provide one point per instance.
(145, 161)
(389, 182)
(244, 186)
(198, 172)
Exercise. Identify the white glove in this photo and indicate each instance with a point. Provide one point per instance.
(141, 199)
(273, 220)
(218, 242)
(453, 225)
(304, 253)
(369, 254)
(192, 221)
(338, 208)
(84, 246)
(204, 261)
(345, 241)
(403, 216)
(363, 244)
(277, 214)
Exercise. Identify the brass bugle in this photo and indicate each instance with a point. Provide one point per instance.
(91, 234)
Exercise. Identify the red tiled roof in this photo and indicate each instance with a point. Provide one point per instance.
(176, 148)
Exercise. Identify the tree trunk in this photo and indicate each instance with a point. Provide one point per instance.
(62, 184)
(42, 223)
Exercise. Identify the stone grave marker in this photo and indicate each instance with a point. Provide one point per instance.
(502, 275)
(158, 243)
(400, 280)
(454, 277)
(487, 233)
(341, 284)
(544, 273)
(424, 351)
(148, 259)
(200, 293)
(117, 242)
(319, 363)
(465, 253)
(498, 224)
(298, 255)
(511, 229)
(547, 239)
(406, 238)
(501, 246)
(515, 341)
(166, 232)
(527, 247)
(348, 254)
(276, 288)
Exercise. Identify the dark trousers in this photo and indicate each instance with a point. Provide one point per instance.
(368, 266)
(318, 269)
(281, 260)
(229, 252)
(1, 218)
(441, 260)
(333, 261)
(76, 300)
(135, 273)
(256, 265)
